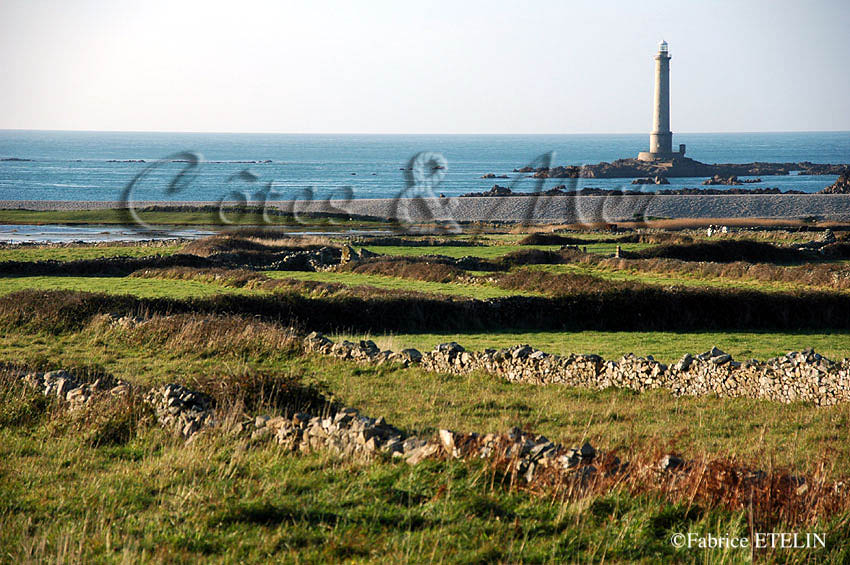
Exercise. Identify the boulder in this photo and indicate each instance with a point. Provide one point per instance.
(670, 462)
(411, 355)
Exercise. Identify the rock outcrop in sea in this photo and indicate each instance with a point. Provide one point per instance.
(561, 190)
(679, 167)
(841, 186)
(651, 180)
(729, 181)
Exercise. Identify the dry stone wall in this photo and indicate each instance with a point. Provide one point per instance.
(346, 433)
(176, 407)
(67, 387)
(797, 376)
(341, 431)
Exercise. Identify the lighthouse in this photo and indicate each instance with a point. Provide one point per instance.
(661, 138)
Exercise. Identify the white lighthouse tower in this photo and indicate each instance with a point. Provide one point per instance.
(661, 138)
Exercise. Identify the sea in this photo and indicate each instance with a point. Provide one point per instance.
(99, 166)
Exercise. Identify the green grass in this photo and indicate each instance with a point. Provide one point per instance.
(421, 402)
(664, 346)
(179, 288)
(141, 287)
(28, 253)
(758, 431)
(157, 500)
(395, 283)
(677, 279)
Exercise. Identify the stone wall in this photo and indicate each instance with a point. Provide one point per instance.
(76, 392)
(343, 432)
(797, 376)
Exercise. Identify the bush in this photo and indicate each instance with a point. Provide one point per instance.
(606, 307)
(557, 239)
(530, 257)
(554, 239)
(416, 270)
(254, 240)
(560, 284)
(722, 252)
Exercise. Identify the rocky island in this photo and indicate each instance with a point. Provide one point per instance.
(679, 167)
(561, 190)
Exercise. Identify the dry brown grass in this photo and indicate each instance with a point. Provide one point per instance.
(253, 241)
(771, 497)
(248, 393)
(255, 281)
(423, 270)
(826, 275)
(107, 420)
(560, 284)
(207, 334)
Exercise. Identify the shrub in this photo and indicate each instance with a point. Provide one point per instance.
(725, 251)
(554, 239)
(559, 284)
(416, 270)
(541, 238)
(622, 307)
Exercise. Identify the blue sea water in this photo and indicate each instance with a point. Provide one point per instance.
(93, 165)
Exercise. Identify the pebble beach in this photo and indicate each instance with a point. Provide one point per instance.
(832, 207)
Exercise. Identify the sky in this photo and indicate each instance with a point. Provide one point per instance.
(422, 67)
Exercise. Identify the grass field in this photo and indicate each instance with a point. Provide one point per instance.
(155, 499)
(67, 495)
(151, 497)
(141, 287)
(75, 253)
(188, 348)
(177, 288)
(480, 291)
(675, 279)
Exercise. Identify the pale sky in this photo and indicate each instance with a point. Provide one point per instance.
(422, 67)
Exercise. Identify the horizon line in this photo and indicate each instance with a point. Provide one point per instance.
(403, 133)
